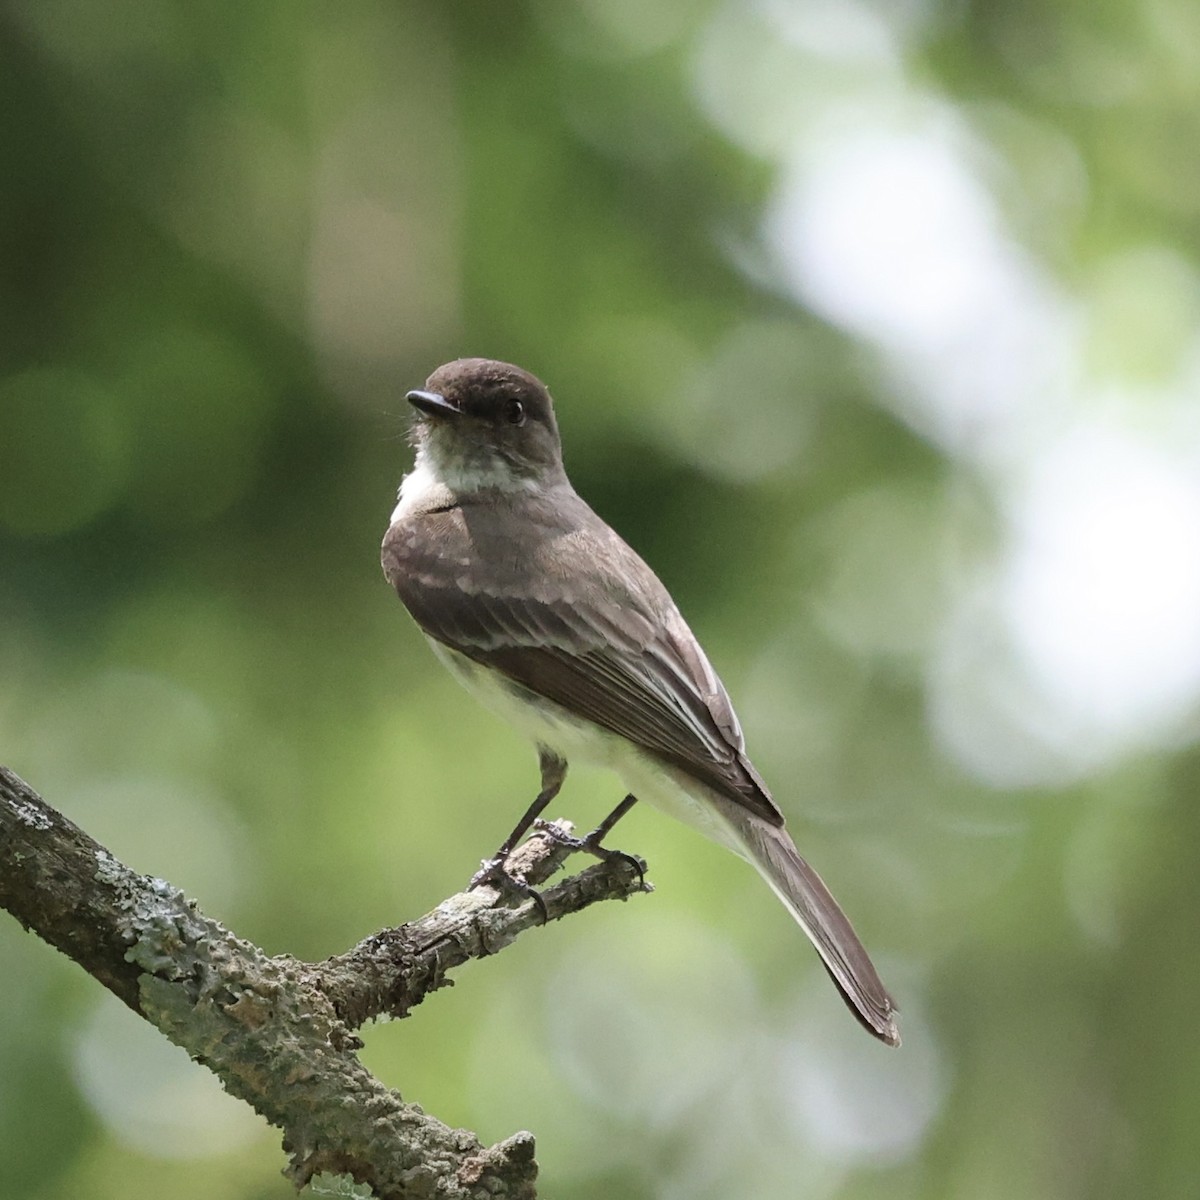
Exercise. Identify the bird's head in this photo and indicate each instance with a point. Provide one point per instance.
(482, 423)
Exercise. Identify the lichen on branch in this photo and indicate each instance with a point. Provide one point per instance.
(279, 1033)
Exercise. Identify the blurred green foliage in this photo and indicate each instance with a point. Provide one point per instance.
(232, 237)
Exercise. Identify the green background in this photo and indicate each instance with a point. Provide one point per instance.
(871, 325)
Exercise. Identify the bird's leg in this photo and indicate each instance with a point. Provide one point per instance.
(493, 870)
(593, 839)
(592, 843)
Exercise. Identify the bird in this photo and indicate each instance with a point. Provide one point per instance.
(547, 616)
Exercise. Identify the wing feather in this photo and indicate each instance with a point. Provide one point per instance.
(620, 656)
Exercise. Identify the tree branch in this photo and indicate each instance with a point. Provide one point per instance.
(279, 1033)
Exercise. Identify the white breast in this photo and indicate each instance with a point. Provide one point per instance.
(580, 741)
(418, 489)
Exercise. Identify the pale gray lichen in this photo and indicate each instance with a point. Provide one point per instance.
(108, 869)
(29, 814)
(341, 1187)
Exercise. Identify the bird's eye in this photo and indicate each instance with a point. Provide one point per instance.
(515, 412)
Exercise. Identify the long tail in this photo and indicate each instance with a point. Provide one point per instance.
(772, 851)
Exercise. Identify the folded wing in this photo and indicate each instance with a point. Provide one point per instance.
(617, 655)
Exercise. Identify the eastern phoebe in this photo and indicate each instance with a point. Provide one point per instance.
(548, 617)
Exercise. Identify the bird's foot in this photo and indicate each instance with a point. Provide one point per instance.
(494, 872)
(592, 844)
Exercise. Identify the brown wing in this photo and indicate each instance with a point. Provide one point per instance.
(618, 655)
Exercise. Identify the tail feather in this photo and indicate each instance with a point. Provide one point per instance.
(806, 897)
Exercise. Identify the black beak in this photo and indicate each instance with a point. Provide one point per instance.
(433, 403)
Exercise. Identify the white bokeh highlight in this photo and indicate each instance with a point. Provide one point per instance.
(1101, 583)
(855, 1103)
(1070, 637)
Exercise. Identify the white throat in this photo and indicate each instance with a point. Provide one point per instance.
(439, 478)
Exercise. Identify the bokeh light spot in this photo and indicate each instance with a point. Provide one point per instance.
(1102, 586)
(857, 1101)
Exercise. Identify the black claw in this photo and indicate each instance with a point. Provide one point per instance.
(606, 855)
(592, 845)
(493, 872)
(638, 864)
